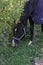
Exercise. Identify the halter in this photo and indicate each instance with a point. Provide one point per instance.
(20, 36)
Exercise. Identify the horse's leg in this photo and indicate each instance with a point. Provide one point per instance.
(31, 30)
(42, 27)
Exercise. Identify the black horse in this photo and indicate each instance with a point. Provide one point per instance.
(20, 29)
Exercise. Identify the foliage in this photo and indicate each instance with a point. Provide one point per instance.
(10, 11)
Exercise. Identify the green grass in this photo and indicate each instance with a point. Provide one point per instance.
(23, 54)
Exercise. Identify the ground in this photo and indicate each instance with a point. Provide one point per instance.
(23, 54)
(38, 61)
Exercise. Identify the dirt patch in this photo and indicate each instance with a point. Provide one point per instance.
(38, 61)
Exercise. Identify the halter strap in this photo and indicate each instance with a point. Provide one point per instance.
(21, 36)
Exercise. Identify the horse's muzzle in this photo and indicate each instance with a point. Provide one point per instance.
(15, 42)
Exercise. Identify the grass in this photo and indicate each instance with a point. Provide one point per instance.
(23, 54)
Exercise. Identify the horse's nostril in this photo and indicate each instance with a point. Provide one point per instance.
(16, 41)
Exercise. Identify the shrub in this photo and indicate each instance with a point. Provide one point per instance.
(10, 10)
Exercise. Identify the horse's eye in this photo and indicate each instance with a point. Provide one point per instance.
(15, 29)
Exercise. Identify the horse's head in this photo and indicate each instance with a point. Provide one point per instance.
(19, 33)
